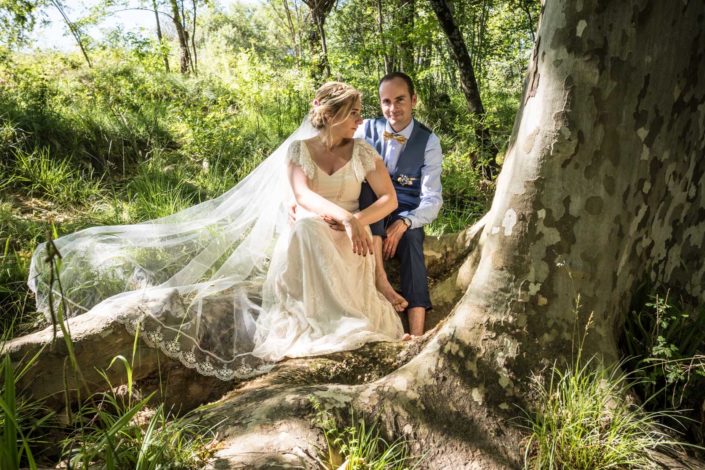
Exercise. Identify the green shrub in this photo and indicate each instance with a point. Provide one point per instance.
(584, 420)
(664, 342)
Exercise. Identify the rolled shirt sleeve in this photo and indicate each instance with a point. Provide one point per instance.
(431, 190)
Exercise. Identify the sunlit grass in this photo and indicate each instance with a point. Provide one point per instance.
(585, 420)
(38, 173)
(585, 417)
(359, 446)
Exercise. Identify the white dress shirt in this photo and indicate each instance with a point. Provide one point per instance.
(431, 191)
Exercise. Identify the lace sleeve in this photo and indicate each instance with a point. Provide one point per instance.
(298, 155)
(364, 159)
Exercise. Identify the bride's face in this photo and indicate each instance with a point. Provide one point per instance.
(347, 127)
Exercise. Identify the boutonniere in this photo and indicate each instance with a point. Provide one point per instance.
(405, 180)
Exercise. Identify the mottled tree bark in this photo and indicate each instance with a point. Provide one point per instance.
(602, 188)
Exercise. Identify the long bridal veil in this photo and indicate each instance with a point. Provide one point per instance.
(193, 283)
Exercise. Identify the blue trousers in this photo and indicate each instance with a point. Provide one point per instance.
(414, 283)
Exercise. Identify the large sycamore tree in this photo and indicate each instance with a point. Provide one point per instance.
(601, 190)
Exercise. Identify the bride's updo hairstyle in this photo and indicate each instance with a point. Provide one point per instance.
(333, 103)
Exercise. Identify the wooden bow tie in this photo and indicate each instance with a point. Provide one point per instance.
(398, 137)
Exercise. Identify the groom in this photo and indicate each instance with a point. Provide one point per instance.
(412, 154)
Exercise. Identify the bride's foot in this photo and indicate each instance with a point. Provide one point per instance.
(385, 288)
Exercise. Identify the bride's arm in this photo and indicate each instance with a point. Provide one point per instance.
(386, 201)
(309, 199)
(313, 202)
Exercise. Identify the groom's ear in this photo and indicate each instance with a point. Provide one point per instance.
(413, 100)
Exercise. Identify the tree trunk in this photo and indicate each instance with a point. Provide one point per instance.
(380, 30)
(292, 29)
(468, 84)
(526, 6)
(194, 54)
(75, 32)
(319, 11)
(602, 189)
(182, 36)
(406, 45)
(159, 36)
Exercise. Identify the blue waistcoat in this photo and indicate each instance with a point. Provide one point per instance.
(407, 176)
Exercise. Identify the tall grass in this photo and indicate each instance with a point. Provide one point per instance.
(39, 174)
(585, 418)
(359, 445)
(14, 443)
(119, 433)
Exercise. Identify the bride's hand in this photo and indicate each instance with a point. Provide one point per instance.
(333, 223)
(361, 241)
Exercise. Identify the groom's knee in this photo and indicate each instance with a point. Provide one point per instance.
(412, 240)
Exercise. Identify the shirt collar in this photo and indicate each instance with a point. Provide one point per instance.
(406, 132)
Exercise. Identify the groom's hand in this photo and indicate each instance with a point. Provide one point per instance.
(292, 214)
(394, 234)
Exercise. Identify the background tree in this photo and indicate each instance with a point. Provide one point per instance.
(159, 35)
(468, 84)
(182, 35)
(17, 18)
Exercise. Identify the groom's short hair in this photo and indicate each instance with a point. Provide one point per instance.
(403, 76)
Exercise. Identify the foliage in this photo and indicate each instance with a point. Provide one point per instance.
(584, 420)
(12, 451)
(24, 423)
(359, 445)
(118, 433)
(664, 347)
(585, 417)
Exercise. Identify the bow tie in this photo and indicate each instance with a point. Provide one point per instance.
(398, 137)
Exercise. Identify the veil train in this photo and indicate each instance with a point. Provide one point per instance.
(193, 283)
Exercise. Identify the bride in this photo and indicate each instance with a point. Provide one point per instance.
(230, 286)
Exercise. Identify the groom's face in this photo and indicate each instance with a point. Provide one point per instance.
(397, 103)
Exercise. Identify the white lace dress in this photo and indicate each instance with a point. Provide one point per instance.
(320, 297)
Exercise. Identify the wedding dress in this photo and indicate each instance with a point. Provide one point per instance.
(228, 287)
(325, 298)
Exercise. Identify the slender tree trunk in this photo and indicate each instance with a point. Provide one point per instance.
(526, 6)
(193, 39)
(319, 10)
(159, 36)
(468, 84)
(324, 45)
(182, 36)
(380, 30)
(75, 32)
(406, 45)
(292, 29)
